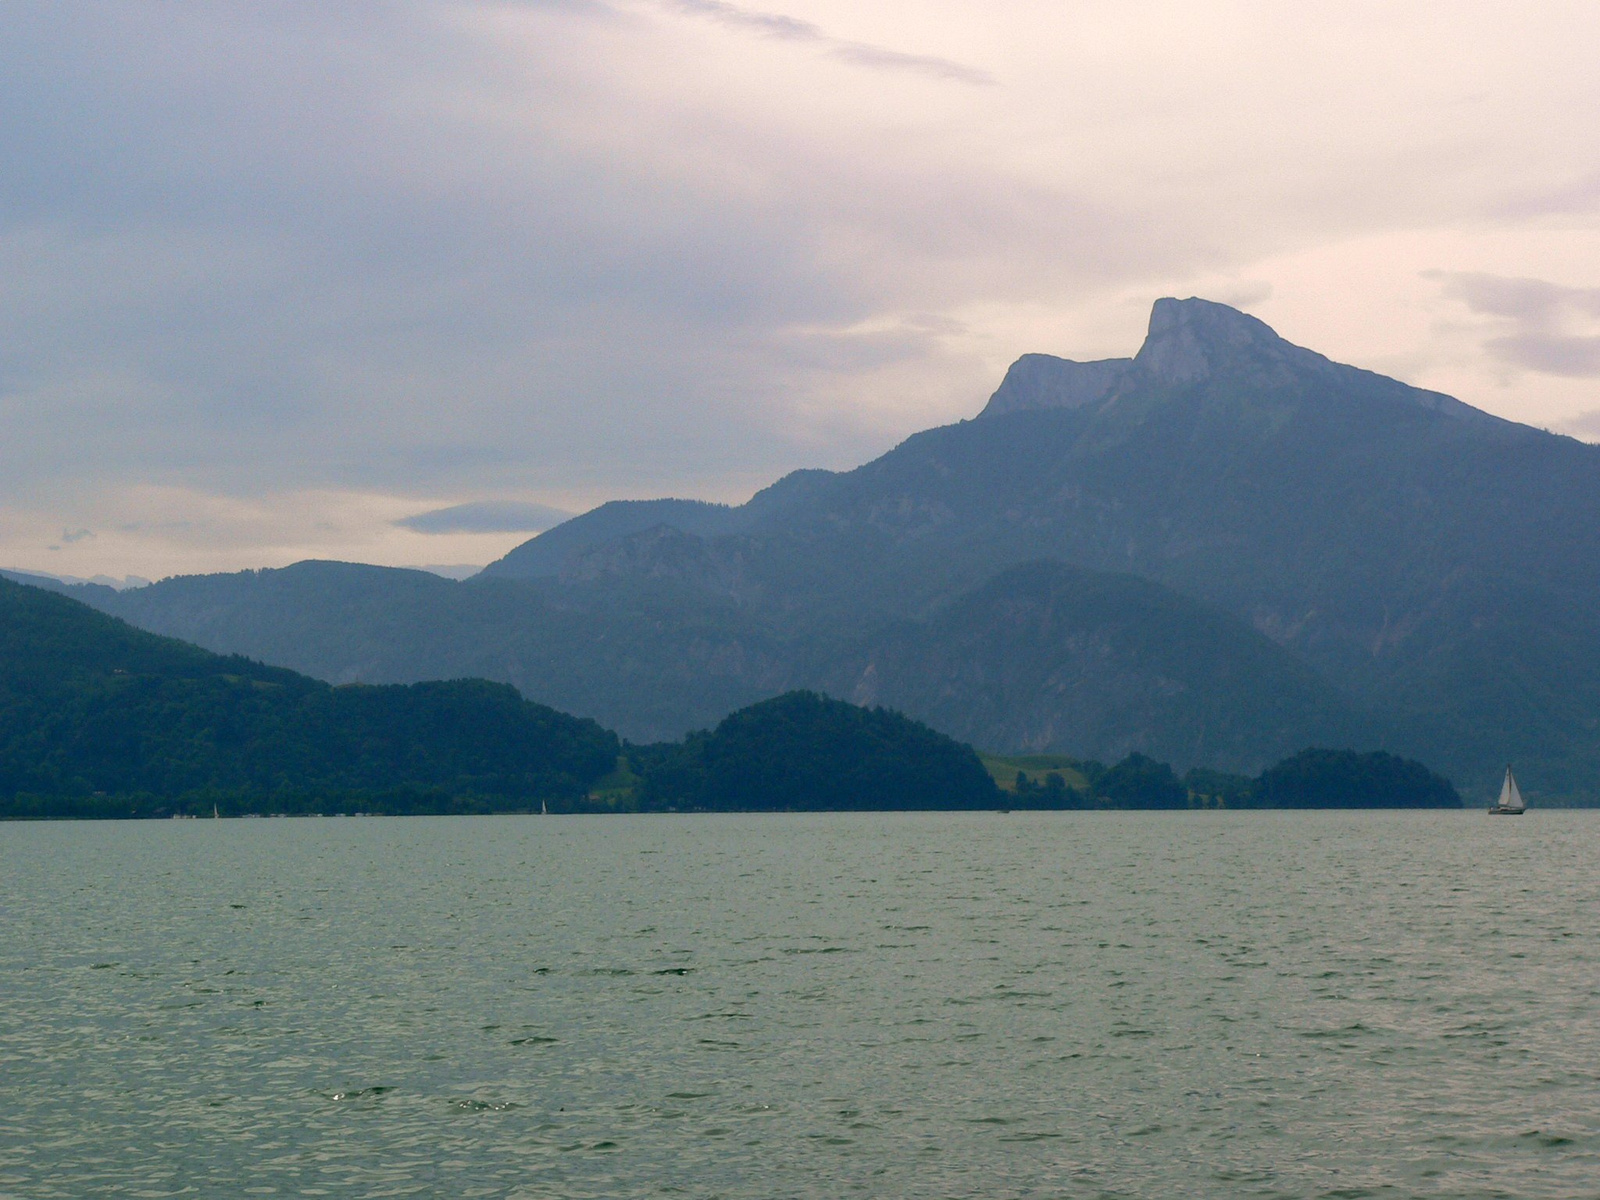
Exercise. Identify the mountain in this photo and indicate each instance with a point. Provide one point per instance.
(1046, 657)
(552, 552)
(1433, 561)
(98, 719)
(1431, 566)
(652, 661)
(547, 554)
(95, 714)
(1038, 381)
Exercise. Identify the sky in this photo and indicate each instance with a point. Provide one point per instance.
(403, 282)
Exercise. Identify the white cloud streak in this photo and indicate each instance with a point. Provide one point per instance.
(862, 54)
(1541, 317)
(486, 516)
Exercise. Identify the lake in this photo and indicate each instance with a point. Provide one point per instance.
(1261, 1004)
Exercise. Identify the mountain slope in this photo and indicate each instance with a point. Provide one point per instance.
(554, 551)
(651, 661)
(1051, 658)
(92, 706)
(658, 661)
(1038, 381)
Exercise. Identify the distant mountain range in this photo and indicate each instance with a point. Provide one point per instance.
(1218, 551)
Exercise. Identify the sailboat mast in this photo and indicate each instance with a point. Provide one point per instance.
(1510, 795)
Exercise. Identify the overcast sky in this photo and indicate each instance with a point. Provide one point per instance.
(280, 281)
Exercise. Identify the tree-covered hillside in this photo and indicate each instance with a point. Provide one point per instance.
(94, 712)
(1050, 657)
(1345, 779)
(802, 751)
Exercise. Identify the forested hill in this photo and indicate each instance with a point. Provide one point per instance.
(99, 718)
(802, 751)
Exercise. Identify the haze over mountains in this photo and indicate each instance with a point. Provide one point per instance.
(1218, 551)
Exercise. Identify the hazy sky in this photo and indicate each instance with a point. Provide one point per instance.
(276, 278)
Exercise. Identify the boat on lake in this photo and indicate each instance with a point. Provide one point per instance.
(1510, 803)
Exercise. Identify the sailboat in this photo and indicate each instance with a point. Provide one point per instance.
(1510, 804)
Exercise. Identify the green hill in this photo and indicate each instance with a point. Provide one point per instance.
(801, 751)
(99, 718)
(1010, 770)
(1345, 779)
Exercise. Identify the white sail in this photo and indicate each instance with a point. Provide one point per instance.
(1510, 797)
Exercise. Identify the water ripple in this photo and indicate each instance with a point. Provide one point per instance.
(1079, 1005)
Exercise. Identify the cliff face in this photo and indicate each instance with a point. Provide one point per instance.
(1038, 381)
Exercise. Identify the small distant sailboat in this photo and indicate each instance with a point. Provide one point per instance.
(1510, 804)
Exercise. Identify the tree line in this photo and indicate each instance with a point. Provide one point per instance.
(1313, 778)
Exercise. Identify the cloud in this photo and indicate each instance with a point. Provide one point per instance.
(1576, 357)
(294, 264)
(75, 535)
(448, 570)
(1540, 315)
(1579, 196)
(487, 516)
(1532, 301)
(766, 24)
(1584, 425)
(1242, 293)
(861, 54)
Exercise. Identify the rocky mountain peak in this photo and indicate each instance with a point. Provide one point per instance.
(1045, 381)
(1189, 341)
(1193, 340)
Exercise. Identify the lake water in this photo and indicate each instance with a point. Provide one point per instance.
(923, 1005)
